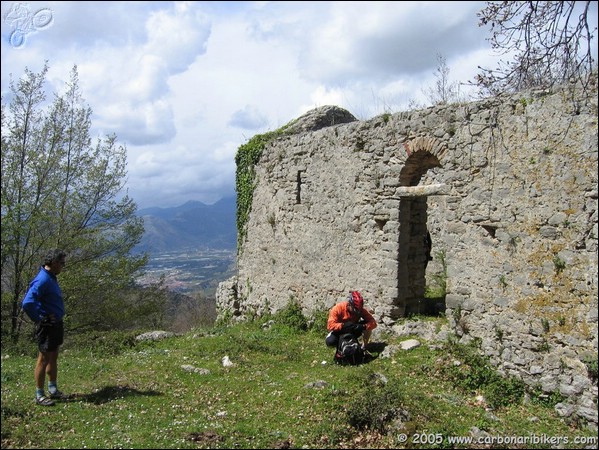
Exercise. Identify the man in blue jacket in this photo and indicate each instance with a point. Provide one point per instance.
(44, 305)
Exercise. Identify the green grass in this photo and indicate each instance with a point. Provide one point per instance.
(279, 394)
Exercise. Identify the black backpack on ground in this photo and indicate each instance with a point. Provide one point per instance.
(349, 351)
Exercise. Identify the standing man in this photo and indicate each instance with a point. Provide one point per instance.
(44, 305)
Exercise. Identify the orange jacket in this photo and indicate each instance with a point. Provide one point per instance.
(341, 313)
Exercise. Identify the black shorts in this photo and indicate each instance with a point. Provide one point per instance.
(49, 336)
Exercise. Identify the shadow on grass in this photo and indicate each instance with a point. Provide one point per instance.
(108, 394)
(376, 347)
(373, 350)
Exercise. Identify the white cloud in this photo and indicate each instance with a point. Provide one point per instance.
(184, 84)
(177, 37)
(379, 41)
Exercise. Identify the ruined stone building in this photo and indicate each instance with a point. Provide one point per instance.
(507, 189)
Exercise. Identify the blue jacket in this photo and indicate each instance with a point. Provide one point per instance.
(44, 297)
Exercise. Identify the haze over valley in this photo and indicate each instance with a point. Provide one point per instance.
(193, 246)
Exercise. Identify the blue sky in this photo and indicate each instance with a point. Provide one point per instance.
(184, 84)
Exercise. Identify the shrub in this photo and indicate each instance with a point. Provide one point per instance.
(318, 320)
(548, 399)
(102, 342)
(502, 391)
(292, 316)
(375, 407)
(591, 363)
(476, 373)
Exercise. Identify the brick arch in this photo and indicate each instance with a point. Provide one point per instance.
(423, 153)
(427, 144)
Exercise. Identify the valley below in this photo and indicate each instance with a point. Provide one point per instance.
(189, 272)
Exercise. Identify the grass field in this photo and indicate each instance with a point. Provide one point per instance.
(282, 391)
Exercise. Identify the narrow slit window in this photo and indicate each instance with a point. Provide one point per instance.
(298, 192)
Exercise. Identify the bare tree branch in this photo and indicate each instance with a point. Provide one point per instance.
(549, 43)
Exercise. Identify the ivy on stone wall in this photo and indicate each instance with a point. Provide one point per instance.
(246, 159)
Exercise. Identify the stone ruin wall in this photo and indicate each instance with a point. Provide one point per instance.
(507, 187)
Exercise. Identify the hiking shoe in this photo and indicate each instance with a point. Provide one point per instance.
(58, 395)
(44, 401)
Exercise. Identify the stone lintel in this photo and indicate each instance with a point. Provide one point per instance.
(419, 191)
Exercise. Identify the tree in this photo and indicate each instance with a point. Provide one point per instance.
(445, 91)
(60, 190)
(549, 41)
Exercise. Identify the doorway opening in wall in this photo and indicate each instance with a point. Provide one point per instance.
(421, 286)
(422, 271)
(421, 274)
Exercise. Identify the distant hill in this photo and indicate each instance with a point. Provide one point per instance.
(191, 226)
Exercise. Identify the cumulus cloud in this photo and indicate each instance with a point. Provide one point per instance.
(184, 84)
(177, 37)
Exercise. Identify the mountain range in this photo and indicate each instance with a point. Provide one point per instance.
(191, 226)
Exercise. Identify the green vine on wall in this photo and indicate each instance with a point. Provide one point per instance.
(248, 155)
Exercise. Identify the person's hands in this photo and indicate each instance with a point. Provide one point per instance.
(348, 327)
(354, 328)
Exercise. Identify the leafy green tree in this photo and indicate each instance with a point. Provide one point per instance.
(61, 190)
(547, 43)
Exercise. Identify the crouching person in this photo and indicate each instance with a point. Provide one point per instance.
(349, 318)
